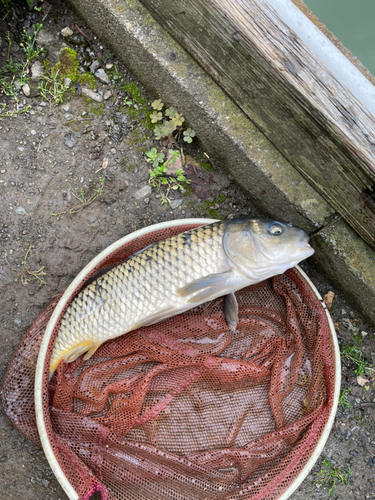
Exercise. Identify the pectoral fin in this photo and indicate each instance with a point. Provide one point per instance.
(208, 287)
(231, 311)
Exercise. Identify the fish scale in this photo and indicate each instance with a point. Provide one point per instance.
(146, 283)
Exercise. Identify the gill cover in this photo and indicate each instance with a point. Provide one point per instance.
(256, 247)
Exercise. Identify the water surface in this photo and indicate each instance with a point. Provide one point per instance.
(353, 22)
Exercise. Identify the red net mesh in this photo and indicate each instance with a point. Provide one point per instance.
(187, 409)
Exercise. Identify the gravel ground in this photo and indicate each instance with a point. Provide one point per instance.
(53, 159)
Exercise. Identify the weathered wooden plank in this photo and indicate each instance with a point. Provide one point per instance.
(314, 121)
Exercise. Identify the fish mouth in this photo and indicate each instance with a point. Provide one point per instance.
(305, 247)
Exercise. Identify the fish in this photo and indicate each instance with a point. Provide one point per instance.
(174, 275)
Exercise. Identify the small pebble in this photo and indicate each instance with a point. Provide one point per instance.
(26, 90)
(32, 132)
(92, 95)
(69, 141)
(20, 211)
(37, 71)
(17, 321)
(67, 82)
(101, 75)
(147, 200)
(66, 32)
(142, 193)
(109, 66)
(94, 66)
(107, 94)
(175, 204)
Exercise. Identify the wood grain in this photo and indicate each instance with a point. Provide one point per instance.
(284, 88)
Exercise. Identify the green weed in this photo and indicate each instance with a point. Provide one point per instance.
(29, 45)
(154, 157)
(343, 399)
(169, 123)
(159, 176)
(11, 68)
(189, 134)
(83, 201)
(13, 112)
(25, 274)
(4, 8)
(329, 475)
(354, 354)
(52, 89)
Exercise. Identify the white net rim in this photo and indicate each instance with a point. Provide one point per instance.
(47, 448)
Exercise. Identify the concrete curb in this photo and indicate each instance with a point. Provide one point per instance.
(231, 139)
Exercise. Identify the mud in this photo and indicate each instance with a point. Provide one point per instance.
(53, 160)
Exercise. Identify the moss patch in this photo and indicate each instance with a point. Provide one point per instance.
(87, 80)
(209, 207)
(67, 65)
(96, 109)
(139, 107)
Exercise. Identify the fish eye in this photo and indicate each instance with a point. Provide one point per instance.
(275, 228)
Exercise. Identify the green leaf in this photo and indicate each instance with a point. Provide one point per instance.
(158, 132)
(156, 117)
(188, 135)
(170, 112)
(178, 120)
(158, 105)
(189, 132)
(167, 128)
(152, 153)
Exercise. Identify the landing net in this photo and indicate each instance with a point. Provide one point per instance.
(187, 409)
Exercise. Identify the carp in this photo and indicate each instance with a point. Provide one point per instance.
(171, 276)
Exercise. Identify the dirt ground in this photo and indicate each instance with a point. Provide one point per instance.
(53, 160)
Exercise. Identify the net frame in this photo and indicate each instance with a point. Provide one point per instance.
(41, 375)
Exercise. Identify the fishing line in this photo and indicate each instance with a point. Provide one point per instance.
(337, 217)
